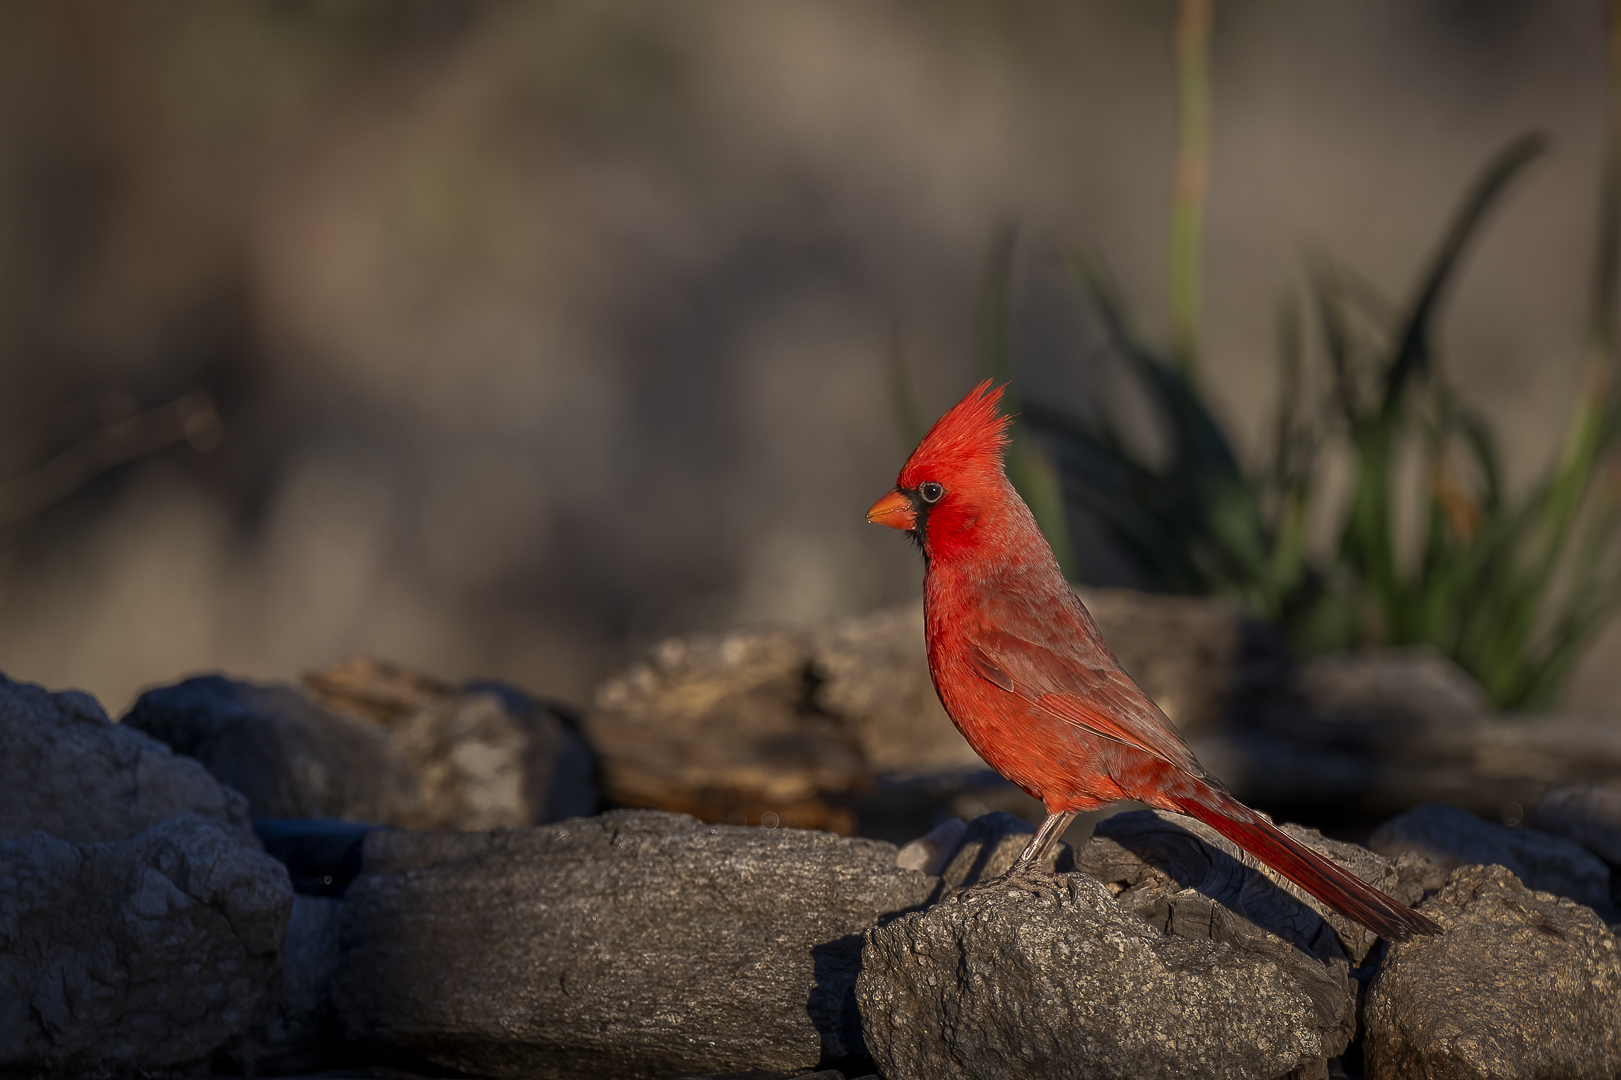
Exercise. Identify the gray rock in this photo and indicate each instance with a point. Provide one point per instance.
(147, 954)
(1450, 837)
(291, 757)
(1064, 982)
(484, 756)
(989, 846)
(1587, 814)
(931, 852)
(629, 945)
(369, 742)
(300, 1032)
(1522, 984)
(1150, 854)
(67, 771)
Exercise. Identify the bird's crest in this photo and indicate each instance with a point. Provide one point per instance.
(972, 434)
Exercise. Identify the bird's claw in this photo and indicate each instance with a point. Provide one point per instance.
(1020, 876)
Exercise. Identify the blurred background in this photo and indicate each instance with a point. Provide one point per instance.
(502, 339)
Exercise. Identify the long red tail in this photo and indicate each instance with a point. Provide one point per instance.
(1327, 881)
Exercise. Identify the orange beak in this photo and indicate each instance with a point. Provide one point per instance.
(894, 510)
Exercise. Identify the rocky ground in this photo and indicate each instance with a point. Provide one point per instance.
(747, 859)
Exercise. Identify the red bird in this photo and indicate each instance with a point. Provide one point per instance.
(1027, 679)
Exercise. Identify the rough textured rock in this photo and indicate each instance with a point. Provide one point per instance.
(727, 728)
(484, 756)
(1064, 982)
(146, 954)
(1450, 837)
(634, 944)
(300, 1032)
(67, 771)
(288, 755)
(1522, 984)
(1148, 856)
(368, 742)
(1587, 814)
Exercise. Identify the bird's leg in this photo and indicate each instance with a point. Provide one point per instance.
(1034, 852)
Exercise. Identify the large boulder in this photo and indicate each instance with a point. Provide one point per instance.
(144, 955)
(634, 944)
(1450, 837)
(1521, 984)
(1057, 979)
(67, 771)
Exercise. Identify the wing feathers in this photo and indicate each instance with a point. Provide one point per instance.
(1084, 688)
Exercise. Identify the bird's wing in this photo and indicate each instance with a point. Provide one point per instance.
(1063, 668)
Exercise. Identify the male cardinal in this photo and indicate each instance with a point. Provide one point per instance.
(1027, 679)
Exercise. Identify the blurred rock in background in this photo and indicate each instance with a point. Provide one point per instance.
(533, 335)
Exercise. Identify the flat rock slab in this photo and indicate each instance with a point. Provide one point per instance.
(68, 771)
(1522, 984)
(1451, 837)
(145, 955)
(1063, 982)
(635, 944)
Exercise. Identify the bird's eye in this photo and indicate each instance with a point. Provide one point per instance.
(930, 491)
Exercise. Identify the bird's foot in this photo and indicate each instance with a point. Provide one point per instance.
(1024, 876)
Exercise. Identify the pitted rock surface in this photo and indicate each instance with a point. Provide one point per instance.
(1521, 984)
(634, 944)
(1064, 982)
